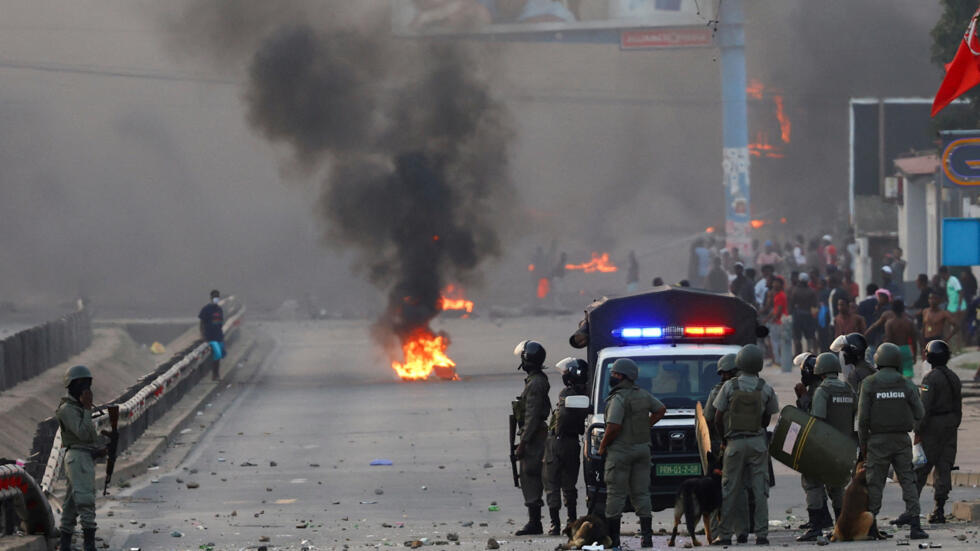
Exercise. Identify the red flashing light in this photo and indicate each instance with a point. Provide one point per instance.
(707, 331)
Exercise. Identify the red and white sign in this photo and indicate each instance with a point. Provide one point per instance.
(641, 39)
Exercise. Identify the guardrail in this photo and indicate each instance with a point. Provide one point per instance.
(30, 503)
(147, 400)
(28, 353)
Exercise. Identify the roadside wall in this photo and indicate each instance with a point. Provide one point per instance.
(32, 351)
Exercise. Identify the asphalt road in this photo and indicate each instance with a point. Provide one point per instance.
(284, 459)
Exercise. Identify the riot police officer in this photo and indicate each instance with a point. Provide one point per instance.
(942, 400)
(531, 409)
(727, 371)
(817, 517)
(81, 440)
(852, 349)
(888, 408)
(745, 406)
(562, 450)
(835, 403)
(630, 412)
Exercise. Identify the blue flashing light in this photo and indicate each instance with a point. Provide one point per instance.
(640, 332)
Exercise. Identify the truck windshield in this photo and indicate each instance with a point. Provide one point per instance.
(677, 381)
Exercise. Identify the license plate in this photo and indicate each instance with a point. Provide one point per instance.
(678, 469)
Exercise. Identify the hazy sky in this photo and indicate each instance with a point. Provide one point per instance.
(128, 171)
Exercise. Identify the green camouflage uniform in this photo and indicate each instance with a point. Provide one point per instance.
(80, 438)
(943, 404)
(887, 410)
(746, 453)
(562, 454)
(835, 403)
(742, 509)
(536, 406)
(627, 469)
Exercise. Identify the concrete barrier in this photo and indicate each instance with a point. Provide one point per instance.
(28, 353)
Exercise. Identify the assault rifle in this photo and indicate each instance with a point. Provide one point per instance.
(513, 449)
(113, 448)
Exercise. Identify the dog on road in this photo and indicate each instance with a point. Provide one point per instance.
(586, 530)
(854, 523)
(698, 498)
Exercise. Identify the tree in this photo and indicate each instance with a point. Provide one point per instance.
(947, 35)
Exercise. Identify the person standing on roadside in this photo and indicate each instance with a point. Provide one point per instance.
(804, 307)
(212, 321)
(81, 440)
(780, 327)
(942, 399)
(937, 323)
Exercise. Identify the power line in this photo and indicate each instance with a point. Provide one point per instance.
(111, 72)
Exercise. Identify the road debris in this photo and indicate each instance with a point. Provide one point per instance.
(381, 463)
(492, 544)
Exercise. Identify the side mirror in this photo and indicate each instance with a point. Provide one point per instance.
(577, 402)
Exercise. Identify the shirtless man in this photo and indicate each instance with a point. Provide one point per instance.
(900, 330)
(937, 323)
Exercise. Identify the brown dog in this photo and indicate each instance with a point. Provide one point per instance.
(585, 531)
(855, 520)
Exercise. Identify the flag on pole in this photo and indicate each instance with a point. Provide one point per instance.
(963, 72)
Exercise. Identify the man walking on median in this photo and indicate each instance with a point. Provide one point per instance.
(212, 330)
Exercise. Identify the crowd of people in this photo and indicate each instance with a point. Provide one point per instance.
(806, 295)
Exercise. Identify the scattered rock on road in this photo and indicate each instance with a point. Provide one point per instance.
(192, 485)
(492, 544)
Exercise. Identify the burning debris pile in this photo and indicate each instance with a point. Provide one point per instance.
(414, 150)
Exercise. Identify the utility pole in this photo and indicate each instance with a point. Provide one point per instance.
(735, 131)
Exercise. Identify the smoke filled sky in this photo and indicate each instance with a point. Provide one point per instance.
(129, 170)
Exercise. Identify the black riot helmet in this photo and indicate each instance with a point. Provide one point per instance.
(937, 353)
(806, 362)
(852, 346)
(574, 371)
(531, 353)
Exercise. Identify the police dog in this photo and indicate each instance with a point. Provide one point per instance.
(698, 497)
(855, 520)
(585, 531)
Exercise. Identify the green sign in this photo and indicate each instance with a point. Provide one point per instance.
(678, 469)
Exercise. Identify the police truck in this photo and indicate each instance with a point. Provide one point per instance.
(675, 336)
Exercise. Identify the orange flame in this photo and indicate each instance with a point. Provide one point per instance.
(599, 263)
(455, 301)
(755, 88)
(424, 354)
(762, 147)
(785, 126)
(544, 287)
(530, 267)
(709, 229)
(757, 223)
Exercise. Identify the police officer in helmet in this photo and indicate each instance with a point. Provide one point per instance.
(630, 412)
(727, 371)
(852, 348)
(888, 409)
(562, 452)
(81, 440)
(531, 409)
(745, 406)
(835, 403)
(942, 400)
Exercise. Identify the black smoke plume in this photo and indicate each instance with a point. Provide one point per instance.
(413, 146)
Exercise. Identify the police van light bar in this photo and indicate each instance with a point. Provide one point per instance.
(697, 331)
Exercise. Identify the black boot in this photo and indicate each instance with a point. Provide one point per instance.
(572, 516)
(533, 526)
(555, 529)
(88, 539)
(905, 518)
(876, 534)
(916, 532)
(826, 520)
(938, 516)
(65, 544)
(816, 526)
(646, 532)
(612, 523)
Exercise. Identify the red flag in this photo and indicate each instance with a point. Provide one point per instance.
(964, 71)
